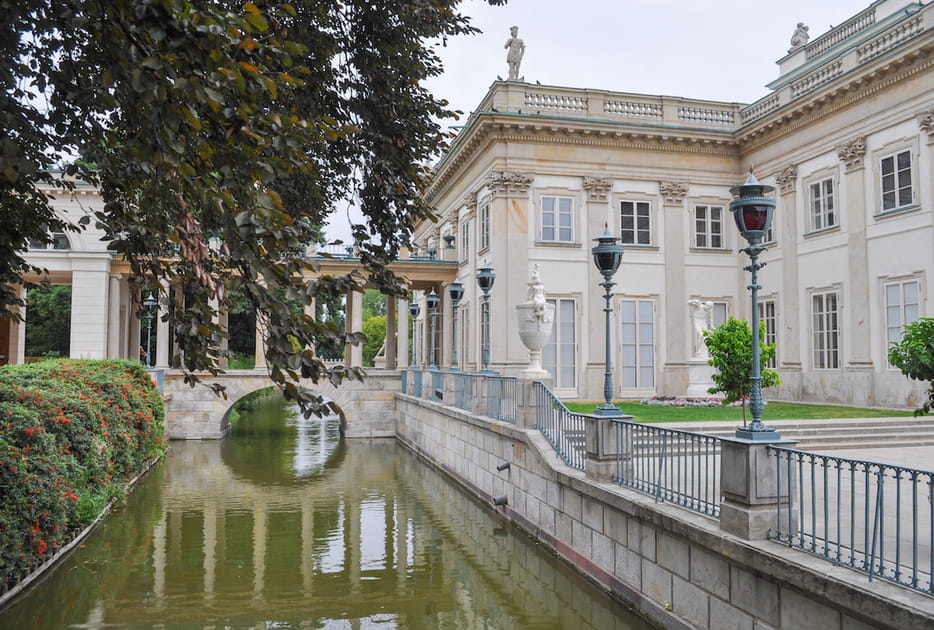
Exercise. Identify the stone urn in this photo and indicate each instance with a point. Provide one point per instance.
(536, 319)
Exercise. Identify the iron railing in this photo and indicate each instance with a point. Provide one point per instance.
(437, 385)
(873, 517)
(501, 400)
(404, 381)
(464, 390)
(560, 426)
(417, 376)
(674, 466)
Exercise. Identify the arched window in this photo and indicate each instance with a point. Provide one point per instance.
(59, 241)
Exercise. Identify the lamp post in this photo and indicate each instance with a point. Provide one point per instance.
(752, 212)
(413, 311)
(149, 304)
(485, 279)
(432, 301)
(456, 291)
(606, 256)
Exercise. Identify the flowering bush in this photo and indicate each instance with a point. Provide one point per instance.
(72, 434)
(673, 401)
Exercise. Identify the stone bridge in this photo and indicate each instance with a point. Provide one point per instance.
(194, 413)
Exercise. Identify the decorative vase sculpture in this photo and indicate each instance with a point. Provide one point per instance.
(536, 317)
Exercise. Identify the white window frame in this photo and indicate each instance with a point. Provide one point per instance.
(634, 381)
(826, 334)
(641, 236)
(708, 227)
(898, 189)
(822, 206)
(768, 314)
(552, 210)
(484, 227)
(902, 311)
(560, 337)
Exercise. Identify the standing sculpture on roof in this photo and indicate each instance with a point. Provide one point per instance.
(516, 49)
(800, 37)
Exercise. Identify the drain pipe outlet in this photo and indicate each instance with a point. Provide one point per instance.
(503, 466)
(500, 500)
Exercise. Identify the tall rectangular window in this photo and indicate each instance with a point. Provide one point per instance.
(463, 330)
(484, 226)
(767, 315)
(708, 227)
(638, 343)
(558, 219)
(826, 330)
(559, 356)
(896, 180)
(823, 214)
(635, 223)
(902, 306)
(465, 241)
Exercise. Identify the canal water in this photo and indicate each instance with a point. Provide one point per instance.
(283, 525)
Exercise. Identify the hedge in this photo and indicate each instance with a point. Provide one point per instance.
(72, 435)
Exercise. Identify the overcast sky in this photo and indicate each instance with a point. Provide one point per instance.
(721, 50)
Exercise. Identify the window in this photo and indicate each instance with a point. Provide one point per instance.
(59, 241)
(638, 343)
(823, 214)
(559, 356)
(558, 219)
(708, 227)
(463, 329)
(719, 314)
(896, 180)
(767, 316)
(635, 223)
(465, 241)
(484, 226)
(826, 331)
(901, 308)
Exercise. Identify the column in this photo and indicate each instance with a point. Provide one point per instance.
(789, 342)
(446, 324)
(162, 333)
(678, 346)
(18, 334)
(260, 516)
(858, 314)
(260, 351)
(390, 342)
(90, 299)
(356, 325)
(113, 317)
(402, 334)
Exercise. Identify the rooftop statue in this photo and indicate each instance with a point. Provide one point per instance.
(516, 49)
(800, 37)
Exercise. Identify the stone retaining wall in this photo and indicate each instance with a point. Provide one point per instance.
(677, 567)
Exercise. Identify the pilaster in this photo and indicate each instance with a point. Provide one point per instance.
(390, 341)
(859, 314)
(789, 347)
(676, 320)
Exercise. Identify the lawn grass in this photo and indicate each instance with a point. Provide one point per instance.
(773, 411)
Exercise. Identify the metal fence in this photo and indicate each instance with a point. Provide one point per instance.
(464, 387)
(437, 385)
(501, 400)
(674, 466)
(417, 376)
(560, 426)
(404, 382)
(873, 517)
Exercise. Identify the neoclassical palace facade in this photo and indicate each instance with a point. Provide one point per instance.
(846, 137)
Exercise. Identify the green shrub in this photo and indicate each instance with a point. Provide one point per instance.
(72, 434)
(914, 356)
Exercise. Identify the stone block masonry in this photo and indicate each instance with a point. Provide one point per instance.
(677, 567)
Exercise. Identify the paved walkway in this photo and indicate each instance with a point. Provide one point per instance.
(920, 457)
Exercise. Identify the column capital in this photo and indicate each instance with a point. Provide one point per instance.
(926, 122)
(508, 183)
(852, 153)
(470, 203)
(673, 192)
(787, 179)
(597, 188)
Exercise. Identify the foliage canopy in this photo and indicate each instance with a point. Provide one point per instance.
(914, 356)
(221, 135)
(730, 346)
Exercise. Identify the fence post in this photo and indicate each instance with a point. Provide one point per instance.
(748, 487)
(600, 447)
(526, 409)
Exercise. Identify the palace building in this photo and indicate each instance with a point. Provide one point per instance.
(845, 135)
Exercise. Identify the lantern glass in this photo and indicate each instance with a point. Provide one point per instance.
(456, 291)
(485, 278)
(414, 309)
(432, 300)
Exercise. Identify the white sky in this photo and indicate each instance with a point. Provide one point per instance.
(722, 50)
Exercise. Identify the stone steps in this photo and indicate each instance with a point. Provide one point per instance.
(832, 434)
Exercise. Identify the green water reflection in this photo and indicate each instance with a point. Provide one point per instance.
(284, 526)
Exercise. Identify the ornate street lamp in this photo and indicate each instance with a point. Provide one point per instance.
(413, 311)
(456, 291)
(432, 301)
(607, 256)
(150, 305)
(752, 212)
(485, 279)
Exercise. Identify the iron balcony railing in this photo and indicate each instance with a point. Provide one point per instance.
(560, 426)
(501, 397)
(674, 466)
(873, 517)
